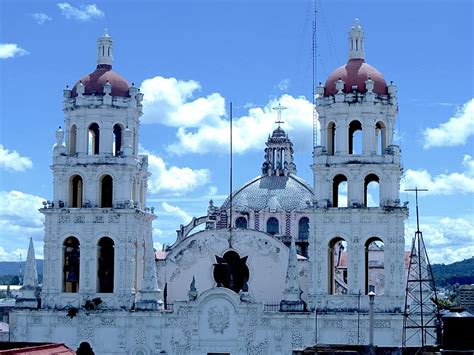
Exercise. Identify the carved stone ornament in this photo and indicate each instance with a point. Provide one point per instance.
(218, 319)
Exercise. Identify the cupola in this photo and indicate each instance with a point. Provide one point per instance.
(356, 72)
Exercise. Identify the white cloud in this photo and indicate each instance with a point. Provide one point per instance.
(10, 50)
(84, 13)
(455, 131)
(158, 246)
(172, 179)
(284, 84)
(14, 255)
(443, 184)
(21, 209)
(19, 220)
(447, 239)
(40, 17)
(13, 161)
(176, 211)
(202, 123)
(168, 101)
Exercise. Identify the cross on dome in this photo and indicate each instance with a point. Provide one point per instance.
(279, 109)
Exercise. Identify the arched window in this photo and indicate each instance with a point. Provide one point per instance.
(374, 266)
(75, 191)
(241, 222)
(117, 145)
(231, 271)
(106, 191)
(72, 139)
(71, 265)
(381, 137)
(339, 191)
(93, 136)
(84, 349)
(337, 265)
(105, 265)
(273, 227)
(371, 191)
(355, 137)
(331, 143)
(303, 228)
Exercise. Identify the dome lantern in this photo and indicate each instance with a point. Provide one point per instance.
(356, 41)
(105, 50)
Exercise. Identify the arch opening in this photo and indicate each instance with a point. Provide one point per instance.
(241, 222)
(273, 226)
(106, 191)
(84, 349)
(340, 191)
(117, 144)
(231, 271)
(71, 265)
(303, 228)
(337, 266)
(331, 138)
(375, 266)
(76, 186)
(355, 137)
(93, 139)
(371, 191)
(105, 265)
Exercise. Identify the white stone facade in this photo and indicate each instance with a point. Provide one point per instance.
(241, 290)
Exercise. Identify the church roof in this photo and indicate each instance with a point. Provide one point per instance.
(273, 192)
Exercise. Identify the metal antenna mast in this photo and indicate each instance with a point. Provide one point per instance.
(315, 114)
(230, 177)
(421, 316)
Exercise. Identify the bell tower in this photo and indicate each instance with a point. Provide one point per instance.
(98, 230)
(358, 229)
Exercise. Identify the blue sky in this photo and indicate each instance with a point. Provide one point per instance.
(192, 58)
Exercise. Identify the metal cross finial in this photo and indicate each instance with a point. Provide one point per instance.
(279, 109)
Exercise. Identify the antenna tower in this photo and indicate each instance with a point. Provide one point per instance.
(314, 49)
(421, 315)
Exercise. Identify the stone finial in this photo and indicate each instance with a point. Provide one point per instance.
(59, 136)
(67, 93)
(107, 88)
(292, 293)
(149, 296)
(369, 85)
(80, 89)
(29, 292)
(356, 41)
(192, 293)
(30, 278)
(59, 147)
(319, 90)
(340, 86)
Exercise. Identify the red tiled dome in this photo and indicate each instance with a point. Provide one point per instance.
(95, 81)
(355, 72)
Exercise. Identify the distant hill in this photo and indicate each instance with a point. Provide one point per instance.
(14, 267)
(461, 272)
